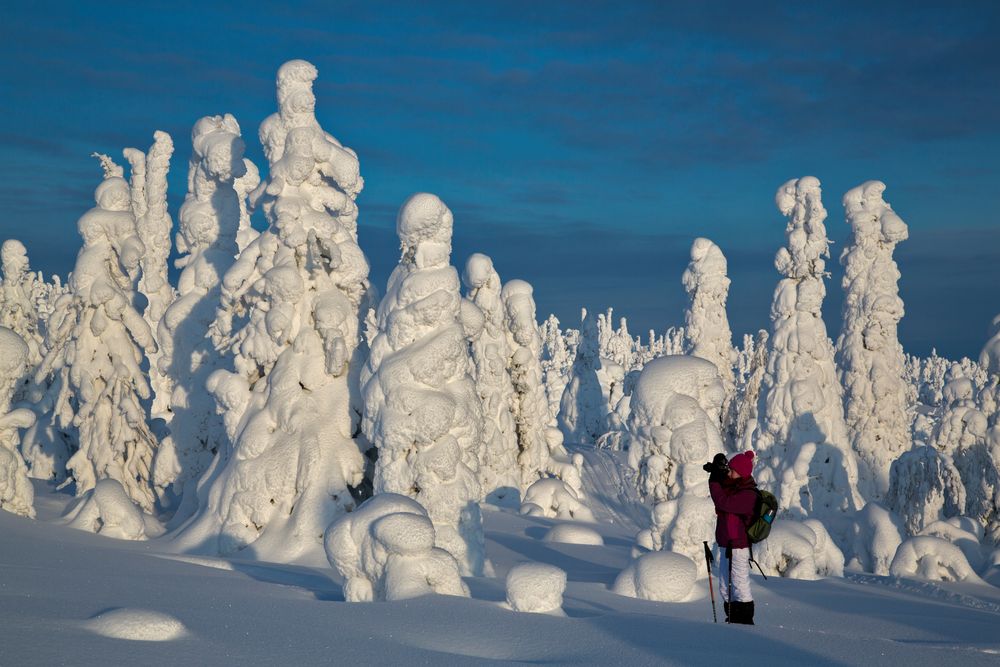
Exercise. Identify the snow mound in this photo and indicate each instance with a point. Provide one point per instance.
(107, 510)
(965, 533)
(876, 533)
(932, 558)
(554, 499)
(568, 533)
(800, 550)
(137, 625)
(536, 588)
(385, 551)
(660, 576)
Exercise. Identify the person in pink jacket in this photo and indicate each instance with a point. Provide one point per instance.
(733, 491)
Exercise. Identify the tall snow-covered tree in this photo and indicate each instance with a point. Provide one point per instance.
(16, 493)
(989, 358)
(583, 408)
(706, 325)
(99, 351)
(208, 224)
(149, 206)
(868, 354)
(289, 319)
(498, 471)
(18, 309)
(422, 410)
(800, 436)
(531, 406)
(556, 364)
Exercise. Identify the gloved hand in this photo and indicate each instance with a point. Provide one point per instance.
(718, 468)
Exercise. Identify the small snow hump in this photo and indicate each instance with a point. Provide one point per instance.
(137, 625)
(537, 588)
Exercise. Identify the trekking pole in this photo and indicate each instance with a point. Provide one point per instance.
(711, 588)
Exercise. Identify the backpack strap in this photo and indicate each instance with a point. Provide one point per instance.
(754, 562)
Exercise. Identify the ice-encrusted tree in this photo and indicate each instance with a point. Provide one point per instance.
(16, 493)
(868, 354)
(583, 408)
(422, 410)
(706, 325)
(531, 408)
(99, 351)
(800, 436)
(148, 180)
(244, 185)
(989, 358)
(208, 224)
(18, 308)
(498, 471)
(556, 364)
(289, 319)
(924, 487)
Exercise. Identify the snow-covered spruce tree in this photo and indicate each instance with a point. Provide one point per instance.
(99, 351)
(800, 437)
(498, 468)
(868, 354)
(583, 408)
(706, 326)
(153, 225)
(556, 365)
(989, 358)
(16, 493)
(289, 317)
(673, 428)
(208, 224)
(422, 411)
(18, 308)
(540, 447)
(742, 417)
(924, 487)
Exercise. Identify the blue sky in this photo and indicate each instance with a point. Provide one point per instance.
(583, 145)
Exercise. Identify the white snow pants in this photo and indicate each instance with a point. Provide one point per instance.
(741, 576)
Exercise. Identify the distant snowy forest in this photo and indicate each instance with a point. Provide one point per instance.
(274, 403)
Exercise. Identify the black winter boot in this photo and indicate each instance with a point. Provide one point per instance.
(741, 612)
(725, 607)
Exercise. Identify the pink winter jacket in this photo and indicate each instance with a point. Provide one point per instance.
(734, 504)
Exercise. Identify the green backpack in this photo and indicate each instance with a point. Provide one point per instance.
(764, 511)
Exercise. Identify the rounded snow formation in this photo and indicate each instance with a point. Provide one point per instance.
(659, 576)
(106, 509)
(932, 558)
(554, 499)
(675, 374)
(706, 326)
(13, 358)
(569, 533)
(137, 625)
(800, 550)
(536, 588)
(424, 217)
(385, 551)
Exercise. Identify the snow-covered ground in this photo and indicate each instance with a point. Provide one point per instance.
(75, 598)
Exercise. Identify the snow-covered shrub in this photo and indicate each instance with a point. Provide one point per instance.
(422, 411)
(571, 533)
(554, 499)
(869, 357)
(498, 472)
(531, 415)
(385, 550)
(16, 493)
(706, 326)
(673, 428)
(98, 351)
(924, 486)
(107, 510)
(800, 550)
(966, 533)
(208, 223)
(289, 320)
(801, 441)
(536, 588)
(561, 464)
(660, 576)
(583, 407)
(932, 558)
(875, 535)
(153, 225)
